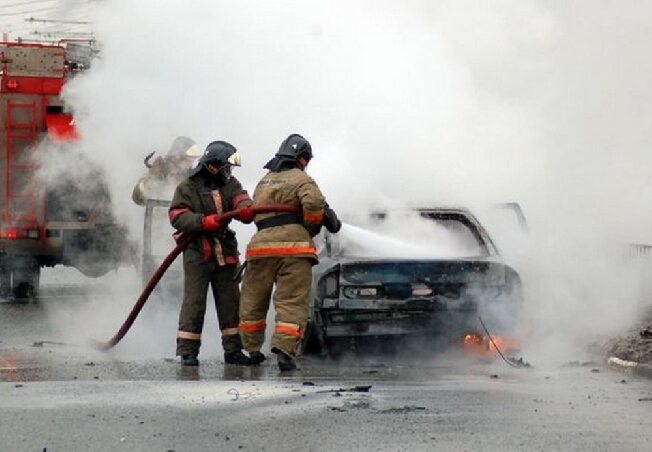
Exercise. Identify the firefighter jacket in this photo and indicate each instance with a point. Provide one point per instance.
(292, 187)
(201, 195)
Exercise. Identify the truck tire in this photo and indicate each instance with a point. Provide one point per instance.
(5, 282)
(26, 279)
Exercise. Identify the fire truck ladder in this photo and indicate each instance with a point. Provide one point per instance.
(20, 135)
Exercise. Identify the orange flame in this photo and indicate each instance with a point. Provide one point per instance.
(8, 364)
(482, 345)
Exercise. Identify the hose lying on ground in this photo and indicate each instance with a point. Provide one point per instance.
(160, 271)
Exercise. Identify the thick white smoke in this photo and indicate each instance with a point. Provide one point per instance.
(454, 102)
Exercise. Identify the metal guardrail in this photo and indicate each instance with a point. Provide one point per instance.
(639, 250)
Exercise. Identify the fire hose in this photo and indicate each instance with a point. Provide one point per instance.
(160, 271)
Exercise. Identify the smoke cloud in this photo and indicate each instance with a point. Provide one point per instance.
(453, 102)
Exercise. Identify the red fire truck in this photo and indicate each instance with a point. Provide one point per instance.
(47, 221)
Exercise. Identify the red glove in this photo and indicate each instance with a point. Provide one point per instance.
(246, 214)
(211, 222)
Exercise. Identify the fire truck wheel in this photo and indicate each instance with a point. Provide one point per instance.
(24, 291)
(5, 284)
(5, 279)
(26, 283)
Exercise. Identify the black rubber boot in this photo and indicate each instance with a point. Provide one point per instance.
(238, 358)
(189, 360)
(285, 362)
(256, 358)
(231, 343)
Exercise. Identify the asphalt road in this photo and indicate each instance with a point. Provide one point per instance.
(59, 394)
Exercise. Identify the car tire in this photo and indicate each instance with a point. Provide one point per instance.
(311, 345)
(337, 347)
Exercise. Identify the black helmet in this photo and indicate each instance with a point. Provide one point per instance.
(219, 153)
(295, 146)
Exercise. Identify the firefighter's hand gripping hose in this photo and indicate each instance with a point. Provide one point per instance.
(158, 274)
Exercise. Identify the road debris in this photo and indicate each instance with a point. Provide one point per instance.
(519, 362)
(353, 389)
(42, 343)
(647, 332)
(402, 410)
(237, 394)
(358, 404)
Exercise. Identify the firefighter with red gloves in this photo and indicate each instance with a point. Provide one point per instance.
(197, 206)
(282, 253)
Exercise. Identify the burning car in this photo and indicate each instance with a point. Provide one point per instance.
(427, 273)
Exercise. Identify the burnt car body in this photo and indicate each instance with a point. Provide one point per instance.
(385, 294)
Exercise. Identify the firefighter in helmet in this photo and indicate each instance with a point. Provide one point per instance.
(166, 172)
(282, 253)
(209, 191)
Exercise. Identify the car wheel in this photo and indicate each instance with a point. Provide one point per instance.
(311, 344)
(26, 282)
(337, 347)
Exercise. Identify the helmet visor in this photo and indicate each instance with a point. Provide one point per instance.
(235, 159)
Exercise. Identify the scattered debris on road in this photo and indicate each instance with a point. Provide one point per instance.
(579, 364)
(42, 343)
(237, 395)
(402, 410)
(518, 362)
(353, 389)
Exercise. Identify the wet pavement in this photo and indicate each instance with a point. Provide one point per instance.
(58, 393)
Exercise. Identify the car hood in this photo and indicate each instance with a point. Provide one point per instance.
(383, 271)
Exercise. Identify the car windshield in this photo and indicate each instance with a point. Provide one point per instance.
(413, 235)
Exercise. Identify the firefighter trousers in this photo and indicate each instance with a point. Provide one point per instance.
(198, 275)
(293, 278)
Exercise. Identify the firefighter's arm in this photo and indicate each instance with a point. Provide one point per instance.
(242, 203)
(181, 216)
(331, 222)
(313, 205)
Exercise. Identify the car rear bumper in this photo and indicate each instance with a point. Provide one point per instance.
(384, 322)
